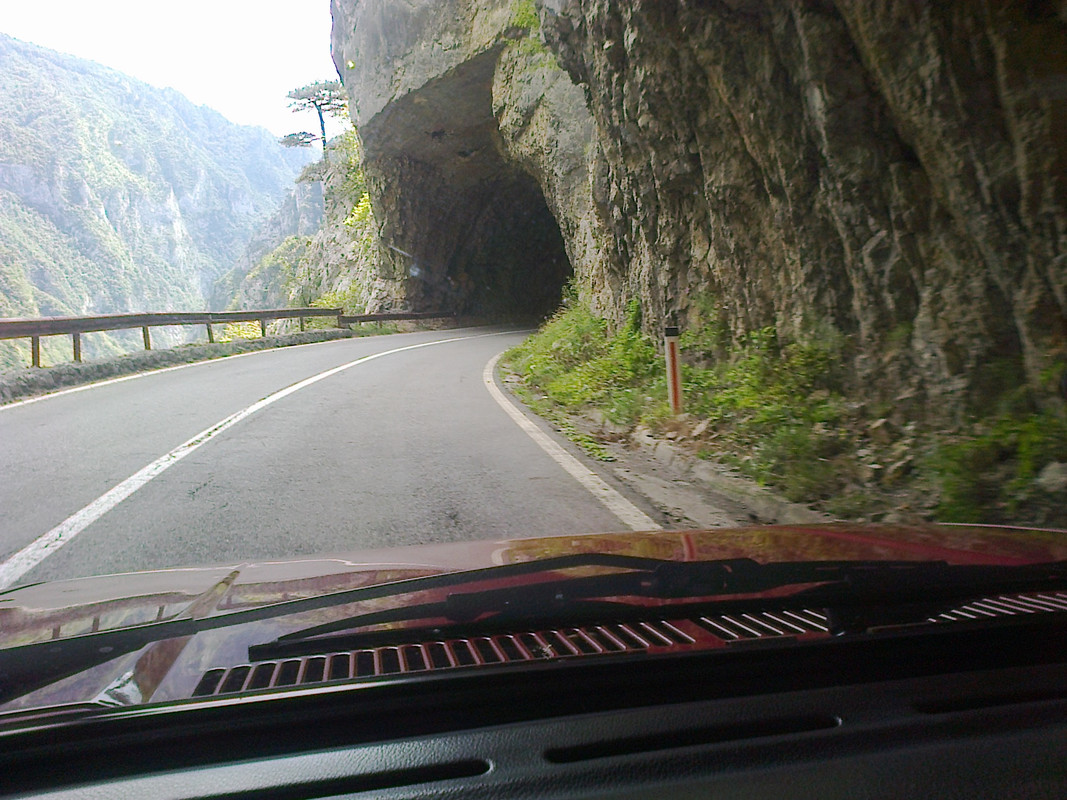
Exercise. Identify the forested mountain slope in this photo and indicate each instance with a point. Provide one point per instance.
(119, 196)
(321, 247)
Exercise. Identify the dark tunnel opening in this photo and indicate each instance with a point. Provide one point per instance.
(513, 264)
(470, 228)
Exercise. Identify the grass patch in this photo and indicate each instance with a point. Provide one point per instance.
(375, 328)
(546, 410)
(988, 474)
(772, 409)
(524, 15)
(576, 364)
(777, 411)
(240, 330)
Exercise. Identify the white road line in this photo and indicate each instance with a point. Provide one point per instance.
(42, 547)
(147, 373)
(618, 505)
(136, 375)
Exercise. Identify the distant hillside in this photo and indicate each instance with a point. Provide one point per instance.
(322, 247)
(118, 196)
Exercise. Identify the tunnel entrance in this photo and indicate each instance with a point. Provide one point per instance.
(513, 263)
(470, 230)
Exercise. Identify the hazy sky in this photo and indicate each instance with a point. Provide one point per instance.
(240, 57)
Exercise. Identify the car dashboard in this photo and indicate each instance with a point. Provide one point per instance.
(970, 711)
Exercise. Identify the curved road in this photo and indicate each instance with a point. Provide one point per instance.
(407, 447)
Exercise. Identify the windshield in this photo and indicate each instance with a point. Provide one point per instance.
(298, 284)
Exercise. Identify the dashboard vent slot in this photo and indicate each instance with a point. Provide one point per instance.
(366, 782)
(1009, 605)
(974, 702)
(586, 640)
(670, 740)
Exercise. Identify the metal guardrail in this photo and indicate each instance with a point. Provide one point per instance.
(390, 316)
(33, 328)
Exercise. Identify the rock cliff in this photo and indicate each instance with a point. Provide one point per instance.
(894, 172)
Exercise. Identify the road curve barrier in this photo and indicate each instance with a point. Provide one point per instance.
(33, 328)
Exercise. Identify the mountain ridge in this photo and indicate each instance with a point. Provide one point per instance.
(118, 196)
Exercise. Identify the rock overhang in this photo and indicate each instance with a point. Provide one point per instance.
(468, 226)
(447, 123)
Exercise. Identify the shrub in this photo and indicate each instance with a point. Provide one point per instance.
(988, 474)
(576, 363)
(240, 330)
(774, 410)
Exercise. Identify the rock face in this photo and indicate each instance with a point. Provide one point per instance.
(892, 171)
(462, 219)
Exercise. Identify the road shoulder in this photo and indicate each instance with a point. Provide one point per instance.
(688, 492)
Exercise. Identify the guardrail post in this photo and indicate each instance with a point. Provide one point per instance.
(674, 371)
(35, 350)
(77, 337)
(147, 338)
(303, 321)
(210, 334)
(263, 327)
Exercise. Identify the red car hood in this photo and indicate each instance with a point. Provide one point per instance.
(52, 612)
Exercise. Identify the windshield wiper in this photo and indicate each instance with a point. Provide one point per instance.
(857, 595)
(29, 667)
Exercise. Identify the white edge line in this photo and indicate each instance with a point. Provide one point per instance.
(618, 505)
(122, 378)
(43, 546)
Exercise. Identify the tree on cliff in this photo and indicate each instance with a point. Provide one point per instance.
(324, 97)
(298, 139)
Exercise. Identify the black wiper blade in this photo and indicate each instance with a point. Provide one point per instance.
(916, 591)
(859, 593)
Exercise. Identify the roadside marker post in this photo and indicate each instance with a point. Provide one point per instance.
(674, 369)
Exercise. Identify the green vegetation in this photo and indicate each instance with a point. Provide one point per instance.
(778, 408)
(575, 363)
(336, 266)
(325, 98)
(117, 196)
(524, 18)
(778, 411)
(547, 410)
(524, 15)
(240, 330)
(772, 409)
(989, 474)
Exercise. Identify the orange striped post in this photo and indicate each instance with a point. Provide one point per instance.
(674, 368)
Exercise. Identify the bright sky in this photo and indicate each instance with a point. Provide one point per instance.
(240, 57)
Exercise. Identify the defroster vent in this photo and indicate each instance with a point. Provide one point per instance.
(712, 630)
(589, 640)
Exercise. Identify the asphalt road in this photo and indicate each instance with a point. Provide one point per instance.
(402, 449)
